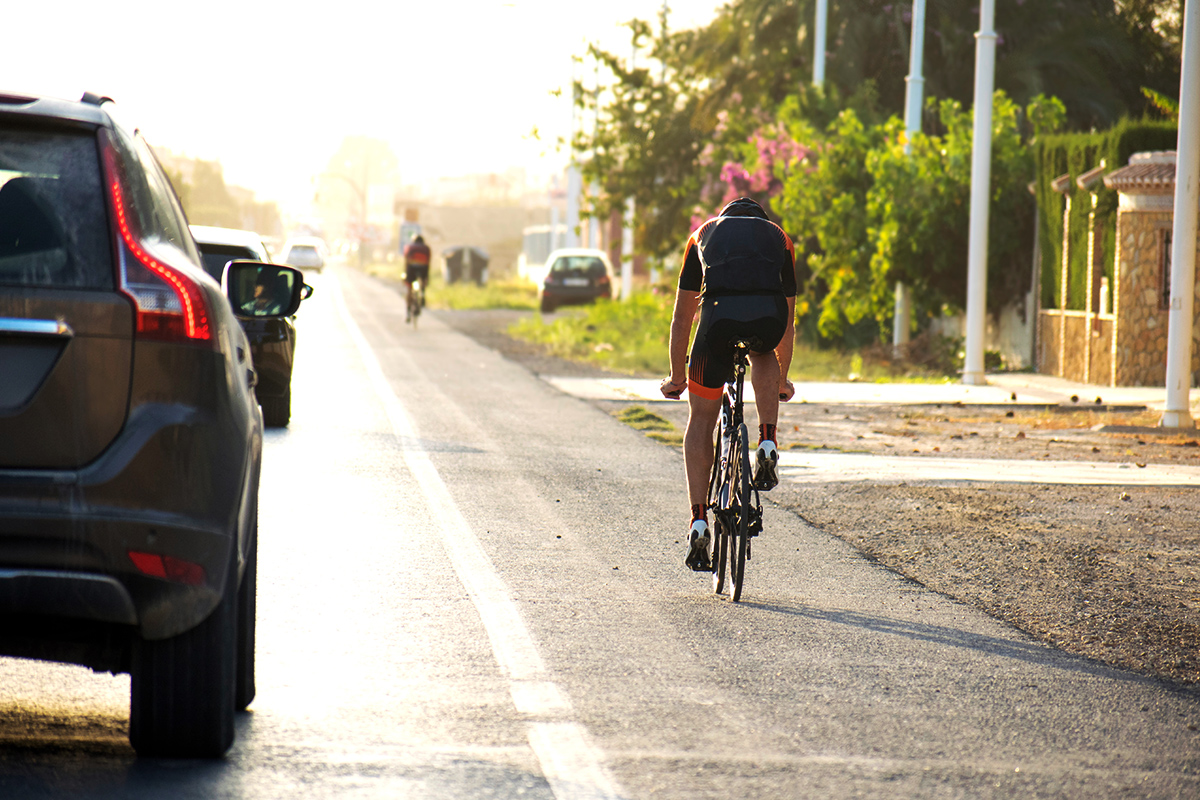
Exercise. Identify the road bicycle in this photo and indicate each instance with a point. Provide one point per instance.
(415, 301)
(736, 506)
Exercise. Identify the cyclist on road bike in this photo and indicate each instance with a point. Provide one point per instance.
(416, 265)
(739, 270)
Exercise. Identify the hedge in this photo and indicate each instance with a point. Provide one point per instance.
(1076, 153)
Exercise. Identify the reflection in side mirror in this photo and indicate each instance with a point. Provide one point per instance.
(260, 290)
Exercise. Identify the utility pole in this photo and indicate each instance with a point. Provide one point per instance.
(819, 43)
(627, 223)
(914, 98)
(1177, 413)
(981, 181)
(594, 220)
(574, 176)
(662, 19)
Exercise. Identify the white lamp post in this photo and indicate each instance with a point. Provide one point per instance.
(1177, 413)
(914, 97)
(981, 181)
(819, 43)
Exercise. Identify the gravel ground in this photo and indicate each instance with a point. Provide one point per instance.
(1110, 573)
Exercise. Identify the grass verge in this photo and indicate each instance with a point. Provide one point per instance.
(499, 293)
(632, 338)
(629, 337)
(651, 424)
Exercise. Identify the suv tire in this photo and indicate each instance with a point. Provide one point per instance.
(182, 688)
(247, 595)
(277, 411)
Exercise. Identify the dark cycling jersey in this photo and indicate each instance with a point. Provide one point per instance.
(739, 255)
(744, 269)
(416, 261)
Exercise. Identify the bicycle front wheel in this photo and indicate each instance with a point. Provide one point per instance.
(717, 548)
(740, 532)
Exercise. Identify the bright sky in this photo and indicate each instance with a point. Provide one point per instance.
(271, 88)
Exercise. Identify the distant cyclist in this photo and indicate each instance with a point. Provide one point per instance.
(739, 270)
(416, 265)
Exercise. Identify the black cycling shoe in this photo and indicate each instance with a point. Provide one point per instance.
(697, 555)
(766, 477)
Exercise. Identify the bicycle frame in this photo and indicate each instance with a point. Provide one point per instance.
(729, 510)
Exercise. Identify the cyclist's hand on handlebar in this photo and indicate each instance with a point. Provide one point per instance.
(672, 390)
(786, 390)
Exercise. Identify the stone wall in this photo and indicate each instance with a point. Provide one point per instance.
(1097, 354)
(1141, 323)
(1048, 336)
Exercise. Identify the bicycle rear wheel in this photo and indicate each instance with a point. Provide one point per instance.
(740, 532)
(414, 304)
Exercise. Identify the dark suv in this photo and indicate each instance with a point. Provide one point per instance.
(130, 440)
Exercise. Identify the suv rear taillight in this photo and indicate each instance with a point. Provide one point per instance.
(170, 305)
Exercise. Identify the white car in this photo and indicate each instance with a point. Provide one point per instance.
(305, 252)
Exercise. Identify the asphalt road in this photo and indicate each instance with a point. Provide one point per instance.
(471, 586)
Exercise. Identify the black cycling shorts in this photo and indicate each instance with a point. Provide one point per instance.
(759, 319)
(414, 272)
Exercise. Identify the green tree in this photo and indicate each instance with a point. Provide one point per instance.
(666, 129)
(209, 200)
(824, 198)
(880, 208)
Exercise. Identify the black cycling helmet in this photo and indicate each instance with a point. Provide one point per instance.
(417, 239)
(743, 207)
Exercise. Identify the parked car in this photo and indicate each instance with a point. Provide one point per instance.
(130, 439)
(272, 339)
(306, 252)
(575, 275)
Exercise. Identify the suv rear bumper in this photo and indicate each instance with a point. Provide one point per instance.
(56, 593)
(80, 568)
(170, 485)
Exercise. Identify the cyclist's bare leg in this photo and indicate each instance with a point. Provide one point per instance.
(698, 445)
(698, 459)
(764, 376)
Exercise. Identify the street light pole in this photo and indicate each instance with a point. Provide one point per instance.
(574, 176)
(1180, 321)
(914, 97)
(981, 180)
(819, 43)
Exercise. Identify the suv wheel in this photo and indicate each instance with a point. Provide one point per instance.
(277, 411)
(247, 595)
(182, 689)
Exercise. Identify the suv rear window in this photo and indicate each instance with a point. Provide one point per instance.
(53, 222)
(584, 266)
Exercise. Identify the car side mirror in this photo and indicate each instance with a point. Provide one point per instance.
(263, 290)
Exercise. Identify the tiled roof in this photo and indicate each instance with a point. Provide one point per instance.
(1147, 173)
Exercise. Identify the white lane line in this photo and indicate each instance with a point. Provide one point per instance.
(558, 746)
(570, 762)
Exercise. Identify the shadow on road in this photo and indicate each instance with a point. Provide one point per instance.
(1028, 651)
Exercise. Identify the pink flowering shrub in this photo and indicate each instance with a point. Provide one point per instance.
(756, 168)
